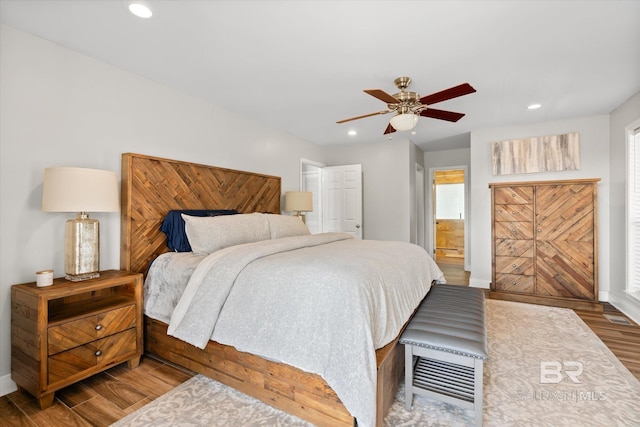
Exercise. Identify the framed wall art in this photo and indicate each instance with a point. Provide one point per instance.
(551, 153)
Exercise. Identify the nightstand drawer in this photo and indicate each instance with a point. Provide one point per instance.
(87, 329)
(68, 363)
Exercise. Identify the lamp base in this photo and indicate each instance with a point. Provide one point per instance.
(80, 277)
(82, 248)
(301, 216)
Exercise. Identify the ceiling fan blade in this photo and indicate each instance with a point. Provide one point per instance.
(389, 129)
(382, 96)
(452, 92)
(449, 116)
(363, 116)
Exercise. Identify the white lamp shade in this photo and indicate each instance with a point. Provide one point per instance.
(298, 201)
(403, 122)
(79, 190)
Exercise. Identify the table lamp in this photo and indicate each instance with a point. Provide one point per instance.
(68, 189)
(298, 202)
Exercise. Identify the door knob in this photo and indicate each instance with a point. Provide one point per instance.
(357, 225)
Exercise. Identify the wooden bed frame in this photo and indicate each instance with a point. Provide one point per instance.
(151, 187)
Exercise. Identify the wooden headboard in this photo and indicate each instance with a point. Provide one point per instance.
(153, 186)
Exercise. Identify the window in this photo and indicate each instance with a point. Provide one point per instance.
(633, 212)
(450, 201)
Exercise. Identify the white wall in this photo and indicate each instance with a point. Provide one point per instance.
(594, 159)
(622, 117)
(386, 188)
(61, 108)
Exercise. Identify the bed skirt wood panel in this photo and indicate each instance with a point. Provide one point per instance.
(390, 361)
(285, 387)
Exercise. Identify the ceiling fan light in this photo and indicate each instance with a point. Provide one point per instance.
(404, 122)
(140, 9)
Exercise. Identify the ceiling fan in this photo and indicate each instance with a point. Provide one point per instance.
(409, 105)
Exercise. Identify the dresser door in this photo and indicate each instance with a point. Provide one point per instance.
(565, 241)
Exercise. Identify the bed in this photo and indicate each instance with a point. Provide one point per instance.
(151, 187)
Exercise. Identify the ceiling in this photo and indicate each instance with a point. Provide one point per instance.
(300, 66)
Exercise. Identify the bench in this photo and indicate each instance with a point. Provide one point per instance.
(445, 346)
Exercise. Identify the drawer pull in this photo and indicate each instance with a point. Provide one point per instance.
(513, 231)
(514, 266)
(513, 213)
(98, 327)
(514, 283)
(98, 353)
(513, 194)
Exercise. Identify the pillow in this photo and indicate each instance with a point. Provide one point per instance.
(207, 235)
(286, 226)
(173, 227)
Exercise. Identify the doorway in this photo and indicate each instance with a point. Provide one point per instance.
(342, 199)
(337, 197)
(450, 223)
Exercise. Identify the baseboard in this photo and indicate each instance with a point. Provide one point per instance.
(478, 283)
(626, 304)
(7, 385)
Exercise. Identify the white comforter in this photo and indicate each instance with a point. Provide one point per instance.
(322, 303)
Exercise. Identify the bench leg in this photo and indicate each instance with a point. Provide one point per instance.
(477, 390)
(408, 376)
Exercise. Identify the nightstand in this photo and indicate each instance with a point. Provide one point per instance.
(66, 332)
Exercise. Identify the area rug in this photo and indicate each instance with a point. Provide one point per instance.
(545, 368)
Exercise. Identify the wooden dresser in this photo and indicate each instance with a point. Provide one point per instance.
(544, 242)
(66, 332)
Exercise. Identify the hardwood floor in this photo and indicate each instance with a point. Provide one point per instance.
(97, 401)
(111, 395)
(622, 340)
(453, 269)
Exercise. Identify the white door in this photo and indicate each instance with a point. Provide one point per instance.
(419, 202)
(342, 199)
(312, 181)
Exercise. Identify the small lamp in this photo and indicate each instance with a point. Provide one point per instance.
(80, 190)
(298, 202)
(404, 122)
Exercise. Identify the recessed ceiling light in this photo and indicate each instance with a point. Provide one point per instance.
(352, 132)
(534, 106)
(141, 10)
